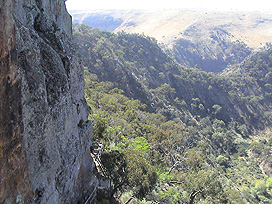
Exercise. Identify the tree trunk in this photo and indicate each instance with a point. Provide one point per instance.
(193, 195)
(130, 199)
(176, 182)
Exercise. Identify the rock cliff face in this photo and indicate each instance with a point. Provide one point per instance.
(45, 134)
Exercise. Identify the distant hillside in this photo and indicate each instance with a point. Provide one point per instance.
(98, 20)
(209, 49)
(207, 40)
(166, 26)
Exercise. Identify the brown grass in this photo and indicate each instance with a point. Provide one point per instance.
(254, 28)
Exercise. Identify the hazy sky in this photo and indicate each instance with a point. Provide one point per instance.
(243, 5)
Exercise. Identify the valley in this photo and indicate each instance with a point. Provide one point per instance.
(183, 123)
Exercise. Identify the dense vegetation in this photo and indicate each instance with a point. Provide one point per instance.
(174, 134)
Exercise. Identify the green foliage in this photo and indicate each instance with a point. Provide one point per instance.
(216, 108)
(115, 164)
(99, 127)
(222, 161)
(256, 147)
(165, 91)
(140, 144)
(142, 175)
(262, 190)
(171, 132)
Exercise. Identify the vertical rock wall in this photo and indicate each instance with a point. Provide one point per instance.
(14, 180)
(45, 134)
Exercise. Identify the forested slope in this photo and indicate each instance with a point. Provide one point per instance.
(189, 135)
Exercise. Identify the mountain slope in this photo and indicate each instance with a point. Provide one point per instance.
(130, 60)
(195, 131)
(140, 67)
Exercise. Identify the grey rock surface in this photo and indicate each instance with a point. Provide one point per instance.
(50, 113)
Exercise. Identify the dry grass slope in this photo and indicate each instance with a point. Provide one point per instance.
(253, 28)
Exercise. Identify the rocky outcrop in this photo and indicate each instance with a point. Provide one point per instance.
(45, 133)
(14, 181)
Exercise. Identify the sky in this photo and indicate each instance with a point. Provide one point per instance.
(233, 5)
